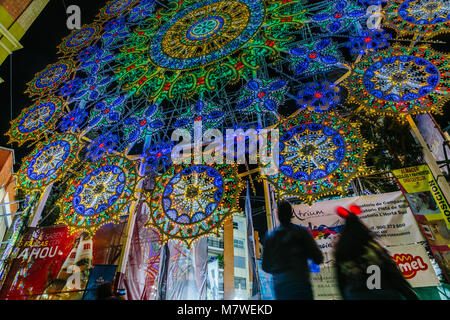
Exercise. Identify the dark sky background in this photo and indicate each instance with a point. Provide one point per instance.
(39, 50)
(40, 44)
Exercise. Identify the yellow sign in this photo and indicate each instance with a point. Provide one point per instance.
(423, 193)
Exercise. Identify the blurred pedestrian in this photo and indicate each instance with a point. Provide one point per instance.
(286, 253)
(356, 250)
(105, 292)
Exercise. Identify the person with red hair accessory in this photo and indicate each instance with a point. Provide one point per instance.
(355, 251)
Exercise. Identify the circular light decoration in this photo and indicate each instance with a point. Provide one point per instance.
(35, 121)
(79, 39)
(204, 32)
(194, 46)
(401, 81)
(99, 194)
(425, 17)
(189, 202)
(47, 163)
(115, 8)
(48, 80)
(319, 155)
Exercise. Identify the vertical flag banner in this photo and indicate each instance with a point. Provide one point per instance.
(251, 246)
(423, 193)
(431, 210)
(265, 283)
(143, 262)
(213, 280)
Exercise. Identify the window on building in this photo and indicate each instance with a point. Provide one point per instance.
(240, 283)
(215, 243)
(238, 243)
(239, 262)
(235, 225)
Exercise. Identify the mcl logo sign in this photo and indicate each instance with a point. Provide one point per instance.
(409, 265)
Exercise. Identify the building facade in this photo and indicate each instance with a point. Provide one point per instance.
(16, 17)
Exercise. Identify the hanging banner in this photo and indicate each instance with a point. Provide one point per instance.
(45, 265)
(430, 209)
(387, 215)
(423, 193)
(265, 283)
(433, 138)
(187, 271)
(99, 275)
(143, 262)
(213, 280)
(415, 265)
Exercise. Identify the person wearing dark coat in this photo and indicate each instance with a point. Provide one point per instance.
(286, 252)
(356, 252)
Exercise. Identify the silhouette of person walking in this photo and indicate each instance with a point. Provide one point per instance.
(286, 253)
(355, 251)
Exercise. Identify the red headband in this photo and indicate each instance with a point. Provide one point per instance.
(344, 213)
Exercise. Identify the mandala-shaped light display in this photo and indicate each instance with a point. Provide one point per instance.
(34, 122)
(319, 155)
(401, 81)
(48, 80)
(318, 56)
(261, 96)
(424, 17)
(339, 16)
(194, 46)
(99, 194)
(48, 162)
(79, 39)
(319, 96)
(189, 202)
(115, 8)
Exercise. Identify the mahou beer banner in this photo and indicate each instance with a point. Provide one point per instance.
(415, 265)
(387, 215)
(41, 263)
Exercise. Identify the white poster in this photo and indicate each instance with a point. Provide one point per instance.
(387, 215)
(415, 265)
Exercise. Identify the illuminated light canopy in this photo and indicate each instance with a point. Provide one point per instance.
(48, 162)
(425, 17)
(401, 81)
(50, 79)
(99, 194)
(194, 46)
(36, 121)
(79, 39)
(319, 155)
(191, 201)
